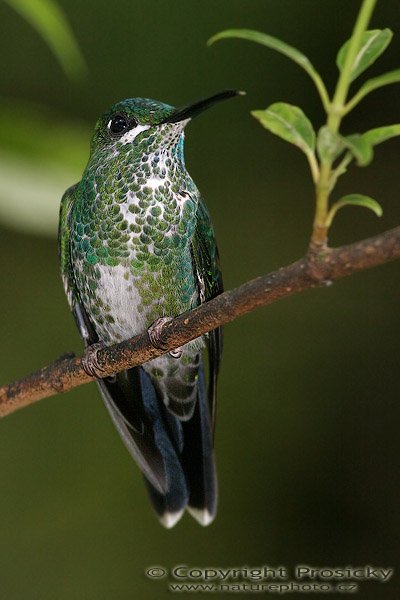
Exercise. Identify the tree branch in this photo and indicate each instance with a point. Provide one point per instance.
(318, 268)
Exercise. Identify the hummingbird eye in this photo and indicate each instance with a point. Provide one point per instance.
(119, 124)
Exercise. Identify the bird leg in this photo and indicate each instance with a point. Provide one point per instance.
(155, 334)
(89, 360)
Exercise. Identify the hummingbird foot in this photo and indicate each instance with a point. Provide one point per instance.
(177, 353)
(155, 332)
(90, 363)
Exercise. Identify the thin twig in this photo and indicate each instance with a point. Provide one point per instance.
(317, 268)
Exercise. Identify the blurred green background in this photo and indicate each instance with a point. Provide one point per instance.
(307, 437)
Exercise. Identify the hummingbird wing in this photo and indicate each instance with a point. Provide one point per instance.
(193, 437)
(64, 253)
(198, 432)
(208, 277)
(127, 396)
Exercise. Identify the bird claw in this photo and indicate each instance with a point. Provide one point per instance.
(155, 332)
(177, 353)
(90, 363)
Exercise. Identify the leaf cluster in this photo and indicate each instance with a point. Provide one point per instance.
(328, 151)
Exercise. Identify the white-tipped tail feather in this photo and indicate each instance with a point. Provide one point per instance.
(202, 516)
(169, 519)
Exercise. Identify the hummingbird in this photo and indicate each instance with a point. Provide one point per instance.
(137, 248)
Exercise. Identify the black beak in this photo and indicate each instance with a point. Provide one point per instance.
(191, 110)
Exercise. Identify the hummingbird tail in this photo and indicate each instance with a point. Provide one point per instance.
(198, 458)
(193, 443)
(176, 457)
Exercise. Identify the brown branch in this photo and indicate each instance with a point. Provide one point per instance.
(318, 268)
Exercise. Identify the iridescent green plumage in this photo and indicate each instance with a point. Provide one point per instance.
(136, 244)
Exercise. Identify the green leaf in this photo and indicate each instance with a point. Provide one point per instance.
(279, 46)
(289, 123)
(50, 22)
(373, 44)
(381, 134)
(371, 85)
(361, 200)
(355, 200)
(329, 144)
(360, 148)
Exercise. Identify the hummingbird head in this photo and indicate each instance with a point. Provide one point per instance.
(147, 124)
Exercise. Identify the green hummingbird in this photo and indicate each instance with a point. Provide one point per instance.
(137, 247)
